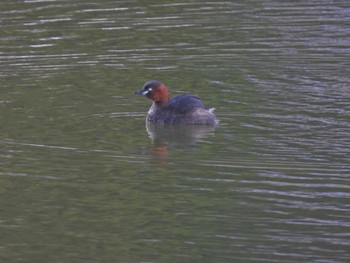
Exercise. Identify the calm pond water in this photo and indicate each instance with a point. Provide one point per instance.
(82, 179)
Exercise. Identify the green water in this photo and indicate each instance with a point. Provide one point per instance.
(82, 179)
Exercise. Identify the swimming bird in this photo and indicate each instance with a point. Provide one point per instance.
(182, 109)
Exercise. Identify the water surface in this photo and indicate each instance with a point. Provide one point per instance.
(83, 179)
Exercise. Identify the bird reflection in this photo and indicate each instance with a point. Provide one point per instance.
(165, 137)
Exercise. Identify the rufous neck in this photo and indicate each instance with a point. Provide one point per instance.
(161, 95)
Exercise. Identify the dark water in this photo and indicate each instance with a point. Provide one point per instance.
(84, 180)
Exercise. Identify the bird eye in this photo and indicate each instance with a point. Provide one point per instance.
(149, 89)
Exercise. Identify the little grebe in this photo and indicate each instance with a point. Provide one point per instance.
(182, 109)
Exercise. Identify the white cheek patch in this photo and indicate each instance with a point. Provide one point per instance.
(147, 91)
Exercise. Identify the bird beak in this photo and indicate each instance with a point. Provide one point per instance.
(141, 92)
